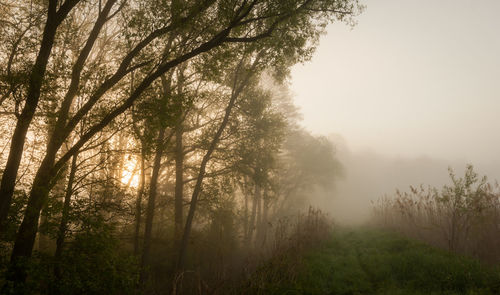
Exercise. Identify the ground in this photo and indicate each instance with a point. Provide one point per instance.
(367, 261)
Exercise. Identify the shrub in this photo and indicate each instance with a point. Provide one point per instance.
(462, 217)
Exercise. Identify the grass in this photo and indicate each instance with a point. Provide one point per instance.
(366, 261)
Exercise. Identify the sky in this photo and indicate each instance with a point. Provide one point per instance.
(411, 79)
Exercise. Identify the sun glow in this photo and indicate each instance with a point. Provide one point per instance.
(130, 173)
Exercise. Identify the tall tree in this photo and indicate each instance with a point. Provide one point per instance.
(55, 16)
(242, 77)
(208, 25)
(161, 142)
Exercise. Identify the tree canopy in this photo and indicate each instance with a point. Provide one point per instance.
(120, 116)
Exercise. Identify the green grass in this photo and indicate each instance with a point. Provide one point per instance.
(366, 261)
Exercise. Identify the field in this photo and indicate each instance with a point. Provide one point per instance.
(367, 261)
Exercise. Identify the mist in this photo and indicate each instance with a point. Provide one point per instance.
(249, 147)
(368, 176)
(408, 92)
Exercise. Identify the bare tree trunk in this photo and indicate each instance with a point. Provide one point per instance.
(259, 208)
(153, 185)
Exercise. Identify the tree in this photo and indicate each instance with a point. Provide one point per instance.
(55, 16)
(162, 36)
(308, 163)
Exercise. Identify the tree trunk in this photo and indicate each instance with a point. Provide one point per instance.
(64, 218)
(43, 239)
(252, 225)
(179, 158)
(138, 206)
(58, 191)
(237, 89)
(258, 225)
(119, 159)
(245, 220)
(48, 169)
(179, 185)
(25, 238)
(37, 75)
(265, 218)
(151, 205)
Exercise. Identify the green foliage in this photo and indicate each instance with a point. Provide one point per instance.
(208, 51)
(291, 238)
(91, 263)
(461, 217)
(94, 264)
(375, 262)
(14, 218)
(308, 165)
(314, 157)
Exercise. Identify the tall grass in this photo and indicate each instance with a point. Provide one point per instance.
(255, 268)
(283, 256)
(279, 259)
(463, 217)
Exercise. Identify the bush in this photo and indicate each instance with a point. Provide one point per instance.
(462, 217)
(91, 263)
(94, 264)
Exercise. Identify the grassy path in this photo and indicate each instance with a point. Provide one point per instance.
(372, 262)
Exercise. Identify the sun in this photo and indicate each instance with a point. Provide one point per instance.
(130, 173)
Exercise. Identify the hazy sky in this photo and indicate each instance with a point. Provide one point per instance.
(412, 78)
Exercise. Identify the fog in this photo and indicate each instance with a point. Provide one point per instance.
(369, 175)
(410, 90)
(204, 147)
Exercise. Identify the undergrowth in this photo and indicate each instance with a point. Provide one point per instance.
(367, 261)
(463, 217)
